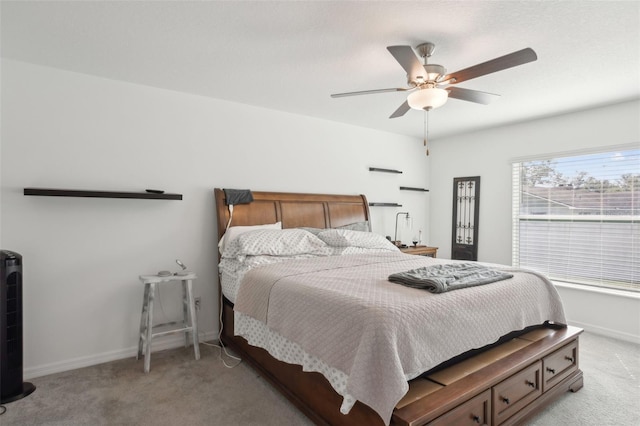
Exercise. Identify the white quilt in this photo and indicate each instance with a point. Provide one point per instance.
(343, 313)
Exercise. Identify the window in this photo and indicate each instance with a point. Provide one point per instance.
(577, 218)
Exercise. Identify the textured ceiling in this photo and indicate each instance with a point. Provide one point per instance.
(291, 56)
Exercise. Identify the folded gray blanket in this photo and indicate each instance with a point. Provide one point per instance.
(450, 276)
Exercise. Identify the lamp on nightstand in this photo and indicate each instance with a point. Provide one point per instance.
(408, 224)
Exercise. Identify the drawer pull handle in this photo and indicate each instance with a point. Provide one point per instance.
(476, 419)
(551, 370)
(569, 358)
(530, 383)
(505, 400)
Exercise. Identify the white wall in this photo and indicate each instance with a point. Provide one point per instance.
(82, 256)
(489, 154)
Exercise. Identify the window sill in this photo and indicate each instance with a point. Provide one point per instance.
(601, 290)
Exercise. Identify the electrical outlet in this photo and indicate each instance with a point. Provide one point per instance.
(197, 303)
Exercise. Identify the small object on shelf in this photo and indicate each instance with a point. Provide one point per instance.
(164, 273)
(377, 169)
(385, 205)
(155, 191)
(410, 188)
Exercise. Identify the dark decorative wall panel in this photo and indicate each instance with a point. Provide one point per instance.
(466, 209)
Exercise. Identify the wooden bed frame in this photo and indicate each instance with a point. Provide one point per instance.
(505, 383)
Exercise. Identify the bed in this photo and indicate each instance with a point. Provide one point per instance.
(527, 358)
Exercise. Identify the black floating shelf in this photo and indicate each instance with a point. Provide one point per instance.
(385, 205)
(409, 188)
(376, 169)
(99, 194)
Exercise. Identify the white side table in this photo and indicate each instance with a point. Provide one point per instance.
(189, 323)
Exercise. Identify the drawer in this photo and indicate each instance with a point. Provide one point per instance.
(559, 365)
(512, 394)
(476, 411)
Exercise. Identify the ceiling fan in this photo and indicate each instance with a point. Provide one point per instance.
(429, 84)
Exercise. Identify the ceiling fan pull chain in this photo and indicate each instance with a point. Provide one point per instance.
(426, 130)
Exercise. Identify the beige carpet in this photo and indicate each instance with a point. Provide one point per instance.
(184, 392)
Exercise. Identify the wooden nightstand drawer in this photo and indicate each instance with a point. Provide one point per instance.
(476, 411)
(559, 365)
(421, 250)
(517, 391)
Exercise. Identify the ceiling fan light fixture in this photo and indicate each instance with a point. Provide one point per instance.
(427, 98)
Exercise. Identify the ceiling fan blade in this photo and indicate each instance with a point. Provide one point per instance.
(368, 92)
(471, 95)
(498, 64)
(402, 110)
(409, 61)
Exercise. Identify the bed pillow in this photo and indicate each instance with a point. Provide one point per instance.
(357, 226)
(348, 238)
(234, 231)
(314, 231)
(272, 242)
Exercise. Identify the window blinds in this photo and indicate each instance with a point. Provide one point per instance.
(577, 218)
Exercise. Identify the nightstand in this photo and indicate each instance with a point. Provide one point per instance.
(188, 323)
(421, 250)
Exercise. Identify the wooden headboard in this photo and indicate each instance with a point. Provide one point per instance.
(293, 210)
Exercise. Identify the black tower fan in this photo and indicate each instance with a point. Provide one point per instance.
(11, 385)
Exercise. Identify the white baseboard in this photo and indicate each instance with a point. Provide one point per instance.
(615, 334)
(168, 342)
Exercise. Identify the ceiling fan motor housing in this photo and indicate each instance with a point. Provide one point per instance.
(434, 72)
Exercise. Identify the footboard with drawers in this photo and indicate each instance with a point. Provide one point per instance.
(504, 385)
